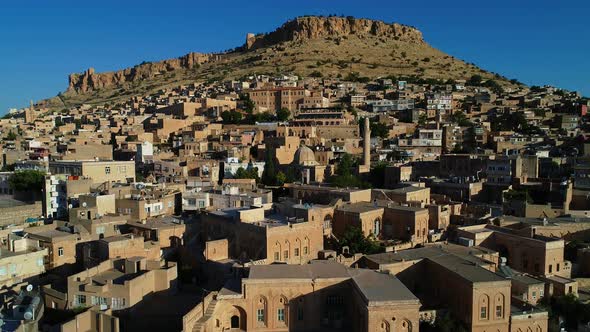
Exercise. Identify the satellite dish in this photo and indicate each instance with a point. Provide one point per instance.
(84, 204)
(70, 206)
(1, 322)
(29, 288)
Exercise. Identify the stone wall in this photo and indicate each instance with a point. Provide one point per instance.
(18, 214)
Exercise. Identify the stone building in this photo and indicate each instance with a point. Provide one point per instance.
(98, 171)
(273, 99)
(454, 277)
(119, 283)
(322, 296)
(254, 234)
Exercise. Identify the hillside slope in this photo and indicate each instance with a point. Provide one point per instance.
(310, 45)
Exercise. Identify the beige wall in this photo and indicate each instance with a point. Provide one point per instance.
(20, 266)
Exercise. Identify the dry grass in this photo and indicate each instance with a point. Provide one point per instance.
(370, 56)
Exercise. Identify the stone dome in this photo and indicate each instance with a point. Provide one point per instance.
(304, 156)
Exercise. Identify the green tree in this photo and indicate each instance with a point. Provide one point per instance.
(345, 165)
(474, 80)
(250, 173)
(316, 74)
(231, 117)
(281, 178)
(461, 119)
(344, 176)
(29, 180)
(377, 175)
(283, 114)
(357, 242)
(422, 118)
(269, 176)
(379, 129)
(11, 136)
(248, 104)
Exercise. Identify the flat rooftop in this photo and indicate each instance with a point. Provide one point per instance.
(374, 286)
(464, 263)
(155, 223)
(408, 189)
(361, 207)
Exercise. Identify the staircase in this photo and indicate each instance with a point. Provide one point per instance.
(201, 322)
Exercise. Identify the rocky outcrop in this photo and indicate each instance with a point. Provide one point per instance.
(299, 29)
(311, 27)
(89, 80)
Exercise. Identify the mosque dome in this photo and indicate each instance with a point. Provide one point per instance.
(304, 156)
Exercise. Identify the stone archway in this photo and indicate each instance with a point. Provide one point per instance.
(238, 319)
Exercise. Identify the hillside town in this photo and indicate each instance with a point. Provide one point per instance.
(288, 203)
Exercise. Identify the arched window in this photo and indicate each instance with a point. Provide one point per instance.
(484, 307)
(306, 247)
(286, 251)
(277, 251)
(376, 227)
(406, 325)
(297, 249)
(261, 309)
(499, 306)
(282, 310)
(385, 326)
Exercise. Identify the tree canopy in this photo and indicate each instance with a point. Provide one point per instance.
(251, 173)
(355, 240)
(29, 180)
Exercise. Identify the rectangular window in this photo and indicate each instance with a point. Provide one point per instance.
(300, 313)
(98, 300)
(484, 313)
(118, 302)
(296, 252)
(2, 270)
(305, 251)
(12, 269)
(60, 251)
(107, 170)
(499, 311)
(534, 295)
(277, 256)
(80, 299)
(260, 315)
(286, 254)
(281, 315)
(40, 261)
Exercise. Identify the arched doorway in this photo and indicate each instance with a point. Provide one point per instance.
(235, 322)
(238, 319)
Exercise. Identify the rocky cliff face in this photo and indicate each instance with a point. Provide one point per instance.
(311, 27)
(299, 29)
(89, 80)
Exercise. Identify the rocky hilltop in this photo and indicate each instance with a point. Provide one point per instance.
(336, 47)
(300, 29)
(313, 27)
(89, 80)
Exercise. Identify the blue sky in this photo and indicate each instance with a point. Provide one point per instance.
(536, 41)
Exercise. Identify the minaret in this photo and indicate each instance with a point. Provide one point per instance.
(367, 145)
